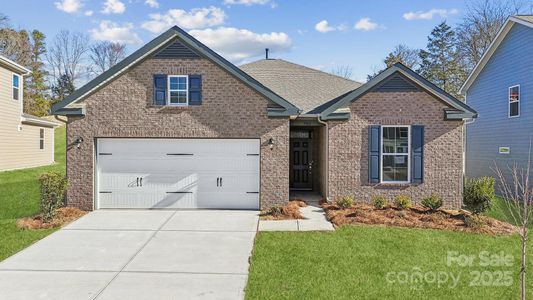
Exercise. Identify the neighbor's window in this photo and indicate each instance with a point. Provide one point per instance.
(16, 86)
(514, 101)
(395, 154)
(178, 90)
(41, 138)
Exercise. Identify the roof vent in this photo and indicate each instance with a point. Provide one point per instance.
(266, 53)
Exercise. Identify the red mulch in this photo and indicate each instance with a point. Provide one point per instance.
(290, 211)
(63, 216)
(415, 217)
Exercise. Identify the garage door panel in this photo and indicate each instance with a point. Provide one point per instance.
(158, 165)
(178, 173)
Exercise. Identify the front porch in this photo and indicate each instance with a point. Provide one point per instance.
(308, 162)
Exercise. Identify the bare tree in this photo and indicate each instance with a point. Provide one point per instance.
(403, 54)
(344, 71)
(481, 22)
(66, 55)
(518, 194)
(105, 54)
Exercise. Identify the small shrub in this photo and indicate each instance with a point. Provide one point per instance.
(432, 202)
(53, 186)
(345, 202)
(379, 202)
(275, 211)
(478, 194)
(402, 201)
(474, 221)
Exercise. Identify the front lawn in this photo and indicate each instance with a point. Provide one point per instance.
(19, 197)
(377, 262)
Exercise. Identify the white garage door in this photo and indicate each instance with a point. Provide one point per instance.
(177, 173)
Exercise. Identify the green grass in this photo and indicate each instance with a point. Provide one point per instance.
(353, 263)
(19, 197)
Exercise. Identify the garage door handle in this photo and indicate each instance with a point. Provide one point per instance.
(218, 181)
(137, 181)
(141, 181)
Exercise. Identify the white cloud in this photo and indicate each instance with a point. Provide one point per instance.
(237, 45)
(88, 13)
(113, 7)
(69, 6)
(428, 15)
(246, 2)
(152, 3)
(110, 31)
(193, 19)
(365, 24)
(323, 26)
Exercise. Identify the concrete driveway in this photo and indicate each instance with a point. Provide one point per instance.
(137, 254)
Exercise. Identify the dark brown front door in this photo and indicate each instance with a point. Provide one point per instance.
(302, 162)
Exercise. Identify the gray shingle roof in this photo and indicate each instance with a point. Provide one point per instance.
(304, 87)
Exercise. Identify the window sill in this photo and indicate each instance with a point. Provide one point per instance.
(391, 185)
(173, 107)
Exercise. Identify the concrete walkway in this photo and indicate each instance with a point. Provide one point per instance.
(137, 254)
(315, 220)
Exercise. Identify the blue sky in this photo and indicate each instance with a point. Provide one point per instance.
(319, 34)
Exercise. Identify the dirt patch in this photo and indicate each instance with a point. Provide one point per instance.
(415, 217)
(64, 216)
(291, 211)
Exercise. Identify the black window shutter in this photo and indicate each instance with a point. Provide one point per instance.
(417, 154)
(195, 89)
(160, 89)
(374, 151)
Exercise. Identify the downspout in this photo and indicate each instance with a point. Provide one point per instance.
(326, 193)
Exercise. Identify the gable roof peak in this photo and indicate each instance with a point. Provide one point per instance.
(458, 106)
(526, 20)
(65, 106)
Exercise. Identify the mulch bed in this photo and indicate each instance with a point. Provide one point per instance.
(290, 211)
(63, 216)
(415, 217)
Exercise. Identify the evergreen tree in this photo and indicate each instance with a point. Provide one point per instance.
(440, 62)
(35, 88)
(63, 87)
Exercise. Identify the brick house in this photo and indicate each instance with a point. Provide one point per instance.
(175, 125)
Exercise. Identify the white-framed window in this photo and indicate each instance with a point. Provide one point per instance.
(395, 154)
(514, 101)
(178, 90)
(16, 87)
(41, 138)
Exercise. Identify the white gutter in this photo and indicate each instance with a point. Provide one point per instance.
(39, 122)
(23, 70)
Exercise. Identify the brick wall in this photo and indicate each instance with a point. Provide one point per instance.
(230, 109)
(443, 148)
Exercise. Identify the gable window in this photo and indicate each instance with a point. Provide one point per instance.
(514, 101)
(16, 87)
(395, 154)
(41, 138)
(178, 90)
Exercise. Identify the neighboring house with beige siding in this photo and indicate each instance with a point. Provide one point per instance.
(25, 140)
